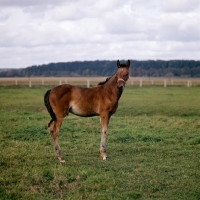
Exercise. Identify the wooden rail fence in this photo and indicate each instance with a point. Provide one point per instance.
(92, 81)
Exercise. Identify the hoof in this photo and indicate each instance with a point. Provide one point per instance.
(103, 155)
(105, 158)
(61, 160)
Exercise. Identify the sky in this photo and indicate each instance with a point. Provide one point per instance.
(36, 32)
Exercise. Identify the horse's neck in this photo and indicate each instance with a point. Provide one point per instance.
(112, 82)
(112, 85)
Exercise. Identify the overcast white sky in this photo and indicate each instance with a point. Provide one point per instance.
(34, 32)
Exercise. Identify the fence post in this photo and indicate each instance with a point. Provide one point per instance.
(152, 82)
(30, 83)
(60, 82)
(165, 83)
(140, 82)
(43, 82)
(66, 81)
(88, 83)
(188, 83)
(16, 82)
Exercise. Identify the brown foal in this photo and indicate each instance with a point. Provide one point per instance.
(101, 100)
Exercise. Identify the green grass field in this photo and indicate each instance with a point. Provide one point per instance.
(153, 146)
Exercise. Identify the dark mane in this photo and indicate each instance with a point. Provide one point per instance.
(102, 83)
(122, 65)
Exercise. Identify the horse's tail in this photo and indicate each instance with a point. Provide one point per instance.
(48, 106)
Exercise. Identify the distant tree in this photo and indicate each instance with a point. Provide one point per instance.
(150, 68)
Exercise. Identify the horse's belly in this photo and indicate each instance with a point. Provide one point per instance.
(82, 112)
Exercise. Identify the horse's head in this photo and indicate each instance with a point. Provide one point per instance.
(122, 74)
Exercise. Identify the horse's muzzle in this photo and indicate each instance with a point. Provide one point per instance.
(120, 88)
(121, 84)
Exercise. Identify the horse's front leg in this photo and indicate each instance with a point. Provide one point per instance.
(104, 120)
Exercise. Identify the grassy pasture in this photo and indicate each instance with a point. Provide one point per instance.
(153, 146)
(82, 81)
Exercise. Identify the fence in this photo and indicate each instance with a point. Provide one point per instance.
(91, 81)
(165, 82)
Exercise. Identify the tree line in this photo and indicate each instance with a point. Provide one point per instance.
(149, 68)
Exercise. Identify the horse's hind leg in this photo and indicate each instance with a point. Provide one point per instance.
(54, 134)
(50, 126)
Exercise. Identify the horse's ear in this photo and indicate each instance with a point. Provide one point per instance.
(128, 64)
(118, 64)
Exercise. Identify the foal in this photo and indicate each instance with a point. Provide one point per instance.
(101, 100)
